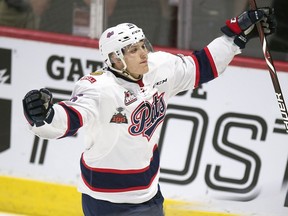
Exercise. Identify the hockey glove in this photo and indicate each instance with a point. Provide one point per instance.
(37, 106)
(243, 27)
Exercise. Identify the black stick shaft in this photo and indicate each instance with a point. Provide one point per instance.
(272, 70)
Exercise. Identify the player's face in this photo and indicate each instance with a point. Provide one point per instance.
(136, 56)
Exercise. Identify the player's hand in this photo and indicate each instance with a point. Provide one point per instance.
(37, 106)
(243, 27)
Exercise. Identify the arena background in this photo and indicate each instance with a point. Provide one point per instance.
(223, 146)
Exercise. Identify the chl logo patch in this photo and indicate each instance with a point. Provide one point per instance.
(129, 98)
(5, 66)
(118, 117)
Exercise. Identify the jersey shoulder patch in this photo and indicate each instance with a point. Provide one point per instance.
(91, 77)
(97, 73)
(88, 78)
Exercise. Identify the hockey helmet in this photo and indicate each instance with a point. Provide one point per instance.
(114, 39)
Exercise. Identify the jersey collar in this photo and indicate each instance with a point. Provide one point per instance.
(118, 75)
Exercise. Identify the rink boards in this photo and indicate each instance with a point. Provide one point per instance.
(224, 150)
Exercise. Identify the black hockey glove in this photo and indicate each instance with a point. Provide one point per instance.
(37, 106)
(243, 27)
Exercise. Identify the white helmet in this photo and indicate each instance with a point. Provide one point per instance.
(114, 39)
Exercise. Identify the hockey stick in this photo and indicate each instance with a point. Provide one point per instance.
(272, 70)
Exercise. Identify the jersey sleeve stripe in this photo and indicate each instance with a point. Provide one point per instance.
(111, 180)
(197, 75)
(212, 63)
(74, 120)
(207, 68)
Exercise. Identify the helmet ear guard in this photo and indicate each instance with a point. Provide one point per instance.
(113, 59)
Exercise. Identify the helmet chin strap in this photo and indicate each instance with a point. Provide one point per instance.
(124, 72)
(129, 76)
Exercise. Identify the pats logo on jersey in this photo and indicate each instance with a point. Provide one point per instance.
(147, 116)
(129, 98)
(119, 118)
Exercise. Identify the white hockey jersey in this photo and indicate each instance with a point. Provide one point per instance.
(123, 119)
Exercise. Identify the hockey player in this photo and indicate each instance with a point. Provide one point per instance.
(122, 107)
